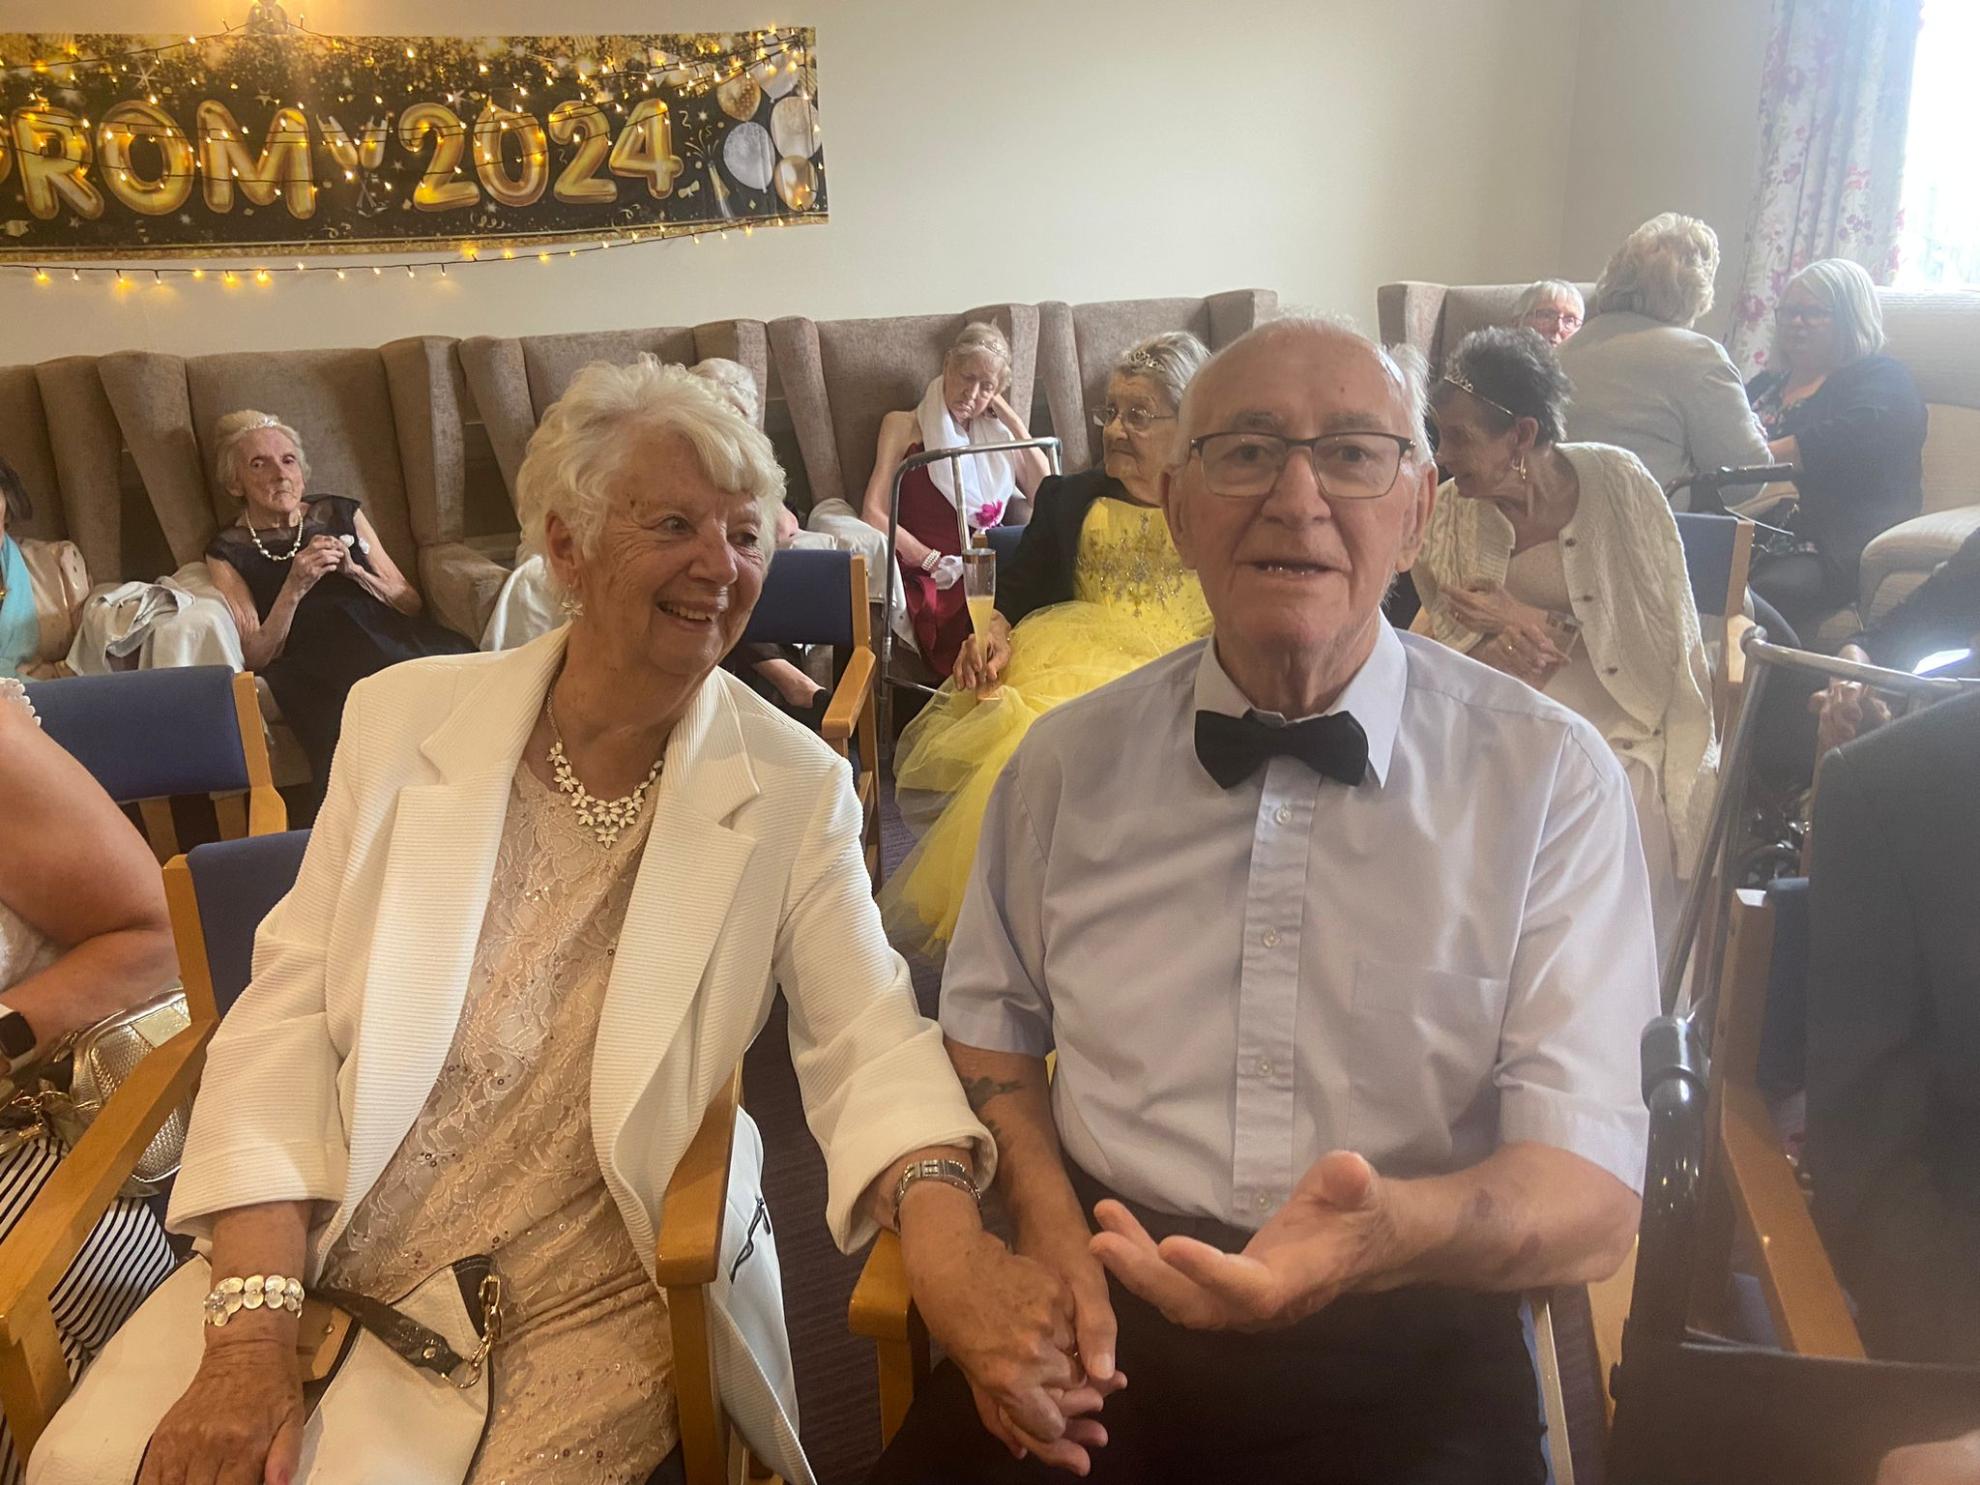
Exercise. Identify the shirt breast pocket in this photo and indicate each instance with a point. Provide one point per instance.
(1424, 1043)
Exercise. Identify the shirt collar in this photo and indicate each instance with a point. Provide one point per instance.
(1374, 695)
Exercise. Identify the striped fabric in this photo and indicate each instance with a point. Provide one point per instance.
(125, 1258)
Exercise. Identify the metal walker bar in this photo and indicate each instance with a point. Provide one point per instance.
(888, 682)
(1721, 840)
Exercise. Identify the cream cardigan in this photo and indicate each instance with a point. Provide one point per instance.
(1631, 595)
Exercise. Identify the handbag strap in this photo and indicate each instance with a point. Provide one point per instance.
(408, 1339)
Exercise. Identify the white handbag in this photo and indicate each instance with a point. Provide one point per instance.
(403, 1397)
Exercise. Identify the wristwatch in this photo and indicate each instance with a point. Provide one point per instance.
(17, 1038)
(948, 1172)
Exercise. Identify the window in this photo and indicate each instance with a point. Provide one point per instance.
(1939, 243)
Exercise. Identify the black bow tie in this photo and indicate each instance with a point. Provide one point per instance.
(1232, 749)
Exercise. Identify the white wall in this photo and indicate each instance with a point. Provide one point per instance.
(1015, 149)
(1665, 118)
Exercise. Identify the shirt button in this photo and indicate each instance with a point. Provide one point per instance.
(1270, 938)
(1264, 1201)
(1264, 1068)
(1283, 814)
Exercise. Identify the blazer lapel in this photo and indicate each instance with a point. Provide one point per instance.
(438, 869)
(688, 876)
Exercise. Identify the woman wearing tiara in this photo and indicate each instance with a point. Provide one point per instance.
(1095, 590)
(964, 405)
(319, 602)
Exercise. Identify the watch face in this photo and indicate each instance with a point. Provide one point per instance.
(16, 1036)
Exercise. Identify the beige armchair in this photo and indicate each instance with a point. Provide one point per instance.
(512, 380)
(1938, 337)
(841, 377)
(1435, 317)
(1078, 343)
(57, 430)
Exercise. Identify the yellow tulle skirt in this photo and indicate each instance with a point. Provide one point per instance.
(960, 743)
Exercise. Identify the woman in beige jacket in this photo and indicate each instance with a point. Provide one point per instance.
(1560, 563)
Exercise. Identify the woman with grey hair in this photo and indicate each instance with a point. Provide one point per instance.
(964, 405)
(552, 898)
(1095, 590)
(1560, 563)
(1644, 380)
(1552, 309)
(318, 601)
(1850, 420)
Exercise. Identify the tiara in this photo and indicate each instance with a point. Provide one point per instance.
(1142, 359)
(1463, 383)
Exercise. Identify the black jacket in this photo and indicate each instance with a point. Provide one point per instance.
(1041, 571)
(1894, 1030)
(1862, 440)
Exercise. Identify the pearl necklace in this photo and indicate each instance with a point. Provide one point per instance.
(605, 817)
(255, 537)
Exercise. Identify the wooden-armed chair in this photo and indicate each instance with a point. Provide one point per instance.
(150, 736)
(218, 895)
(819, 598)
(1718, 553)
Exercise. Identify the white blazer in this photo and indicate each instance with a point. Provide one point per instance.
(751, 879)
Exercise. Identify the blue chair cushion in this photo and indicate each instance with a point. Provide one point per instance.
(149, 734)
(806, 600)
(1004, 541)
(236, 883)
(1708, 557)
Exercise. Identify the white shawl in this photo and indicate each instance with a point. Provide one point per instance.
(1622, 550)
(987, 481)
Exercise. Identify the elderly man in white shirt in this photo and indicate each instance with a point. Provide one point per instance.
(1343, 942)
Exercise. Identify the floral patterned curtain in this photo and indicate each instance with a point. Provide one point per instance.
(1833, 103)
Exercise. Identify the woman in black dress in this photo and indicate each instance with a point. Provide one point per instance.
(1851, 422)
(319, 602)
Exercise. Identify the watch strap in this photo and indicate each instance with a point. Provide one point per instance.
(948, 1172)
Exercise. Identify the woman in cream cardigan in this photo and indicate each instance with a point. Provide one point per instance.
(1560, 563)
(547, 906)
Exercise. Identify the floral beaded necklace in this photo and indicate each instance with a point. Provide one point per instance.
(605, 818)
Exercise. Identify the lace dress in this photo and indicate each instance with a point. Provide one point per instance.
(1133, 602)
(501, 1161)
(125, 1256)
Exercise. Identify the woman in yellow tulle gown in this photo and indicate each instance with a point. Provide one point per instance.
(1095, 590)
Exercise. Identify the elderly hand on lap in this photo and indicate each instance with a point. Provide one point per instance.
(1518, 638)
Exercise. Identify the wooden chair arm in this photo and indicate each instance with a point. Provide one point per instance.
(1608, 1308)
(1738, 626)
(855, 686)
(267, 815)
(881, 1308)
(1801, 1288)
(51, 1232)
(690, 1243)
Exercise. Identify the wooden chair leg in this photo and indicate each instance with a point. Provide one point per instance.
(230, 813)
(34, 1377)
(159, 828)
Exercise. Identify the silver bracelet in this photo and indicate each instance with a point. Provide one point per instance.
(256, 1292)
(948, 1172)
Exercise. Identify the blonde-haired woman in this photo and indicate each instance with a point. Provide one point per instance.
(319, 602)
(964, 405)
(1095, 590)
(1644, 380)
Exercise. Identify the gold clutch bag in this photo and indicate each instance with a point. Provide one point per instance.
(67, 1090)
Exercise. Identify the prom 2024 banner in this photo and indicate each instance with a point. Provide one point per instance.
(272, 138)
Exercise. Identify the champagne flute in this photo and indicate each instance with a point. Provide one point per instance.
(980, 596)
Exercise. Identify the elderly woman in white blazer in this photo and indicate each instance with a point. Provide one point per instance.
(1560, 563)
(546, 907)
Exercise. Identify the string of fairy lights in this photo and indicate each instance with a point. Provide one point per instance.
(506, 136)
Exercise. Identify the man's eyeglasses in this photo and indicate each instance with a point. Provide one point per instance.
(1134, 419)
(1554, 319)
(1346, 466)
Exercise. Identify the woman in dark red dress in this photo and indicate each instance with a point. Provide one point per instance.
(964, 405)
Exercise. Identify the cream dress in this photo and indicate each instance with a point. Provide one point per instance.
(501, 1161)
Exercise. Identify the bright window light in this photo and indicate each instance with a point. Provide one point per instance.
(1939, 246)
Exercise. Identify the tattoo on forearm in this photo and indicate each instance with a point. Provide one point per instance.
(979, 1091)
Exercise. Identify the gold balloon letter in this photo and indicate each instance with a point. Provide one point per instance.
(492, 130)
(126, 123)
(284, 164)
(584, 122)
(645, 148)
(438, 190)
(54, 151)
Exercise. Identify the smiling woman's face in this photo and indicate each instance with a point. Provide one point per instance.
(678, 566)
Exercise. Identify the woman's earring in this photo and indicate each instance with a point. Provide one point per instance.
(572, 605)
(1519, 468)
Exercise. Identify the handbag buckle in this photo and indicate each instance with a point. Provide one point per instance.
(468, 1374)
